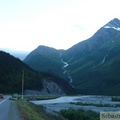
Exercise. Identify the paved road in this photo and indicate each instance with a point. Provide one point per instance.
(4, 108)
(8, 110)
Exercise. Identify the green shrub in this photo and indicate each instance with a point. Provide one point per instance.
(79, 114)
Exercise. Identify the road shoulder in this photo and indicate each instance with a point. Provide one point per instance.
(14, 112)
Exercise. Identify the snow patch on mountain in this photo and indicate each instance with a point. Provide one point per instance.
(104, 59)
(116, 28)
(114, 24)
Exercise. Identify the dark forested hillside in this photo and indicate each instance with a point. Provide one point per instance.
(11, 76)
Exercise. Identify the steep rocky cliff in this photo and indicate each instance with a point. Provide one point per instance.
(49, 88)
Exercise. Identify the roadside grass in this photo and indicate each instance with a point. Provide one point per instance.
(36, 97)
(30, 111)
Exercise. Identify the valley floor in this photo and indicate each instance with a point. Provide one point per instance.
(94, 103)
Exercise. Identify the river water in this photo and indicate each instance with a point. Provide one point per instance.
(64, 99)
(64, 103)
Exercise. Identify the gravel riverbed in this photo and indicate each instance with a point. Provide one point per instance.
(64, 103)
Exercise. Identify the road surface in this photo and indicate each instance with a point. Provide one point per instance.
(8, 110)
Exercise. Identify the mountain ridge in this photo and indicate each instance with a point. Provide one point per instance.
(93, 62)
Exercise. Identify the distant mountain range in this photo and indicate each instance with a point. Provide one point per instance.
(91, 66)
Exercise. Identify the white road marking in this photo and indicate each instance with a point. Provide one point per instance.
(4, 100)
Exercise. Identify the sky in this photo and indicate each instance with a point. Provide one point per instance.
(26, 24)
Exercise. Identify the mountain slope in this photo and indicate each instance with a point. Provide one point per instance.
(93, 64)
(11, 71)
(45, 59)
(11, 76)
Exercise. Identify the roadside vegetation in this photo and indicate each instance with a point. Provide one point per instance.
(30, 111)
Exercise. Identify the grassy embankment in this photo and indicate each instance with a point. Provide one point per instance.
(30, 111)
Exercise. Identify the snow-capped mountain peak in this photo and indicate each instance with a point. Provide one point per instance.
(115, 24)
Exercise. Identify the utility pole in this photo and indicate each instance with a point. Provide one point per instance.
(22, 84)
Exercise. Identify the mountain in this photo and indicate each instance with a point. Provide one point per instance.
(93, 64)
(45, 58)
(11, 69)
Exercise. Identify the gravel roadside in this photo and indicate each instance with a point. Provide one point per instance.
(13, 112)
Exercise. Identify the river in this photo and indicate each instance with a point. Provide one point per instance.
(64, 103)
